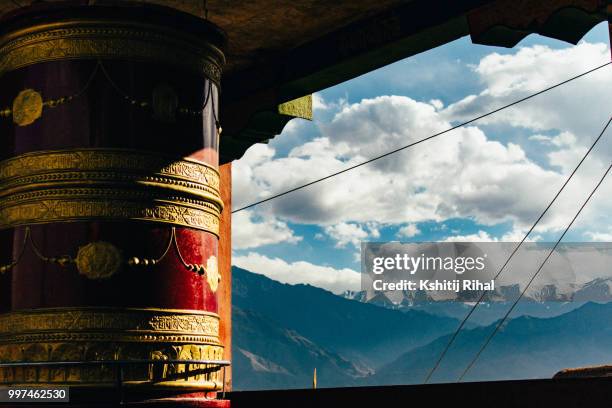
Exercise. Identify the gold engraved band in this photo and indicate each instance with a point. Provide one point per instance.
(109, 39)
(124, 324)
(102, 334)
(117, 184)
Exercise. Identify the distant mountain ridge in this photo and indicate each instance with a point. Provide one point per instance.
(334, 322)
(526, 347)
(546, 300)
(597, 290)
(282, 332)
(267, 356)
(272, 322)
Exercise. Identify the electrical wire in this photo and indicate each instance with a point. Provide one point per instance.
(422, 140)
(501, 322)
(480, 299)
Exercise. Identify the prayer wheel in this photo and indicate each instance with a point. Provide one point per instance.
(110, 202)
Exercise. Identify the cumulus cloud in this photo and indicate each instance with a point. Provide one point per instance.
(600, 236)
(250, 231)
(515, 235)
(334, 280)
(541, 138)
(480, 236)
(466, 174)
(458, 175)
(563, 139)
(345, 233)
(580, 107)
(437, 104)
(408, 231)
(462, 174)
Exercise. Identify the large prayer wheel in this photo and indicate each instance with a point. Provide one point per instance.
(109, 201)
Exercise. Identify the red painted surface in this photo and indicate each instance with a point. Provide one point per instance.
(37, 284)
(101, 117)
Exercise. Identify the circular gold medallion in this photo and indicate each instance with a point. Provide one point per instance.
(98, 260)
(27, 107)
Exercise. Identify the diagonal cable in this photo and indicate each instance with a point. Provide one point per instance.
(422, 140)
(480, 299)
(501, 322)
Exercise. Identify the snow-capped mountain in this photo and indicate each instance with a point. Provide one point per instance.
(597, 290)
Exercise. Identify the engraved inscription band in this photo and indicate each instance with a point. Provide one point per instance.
(102, 334)
(117, 184)
(108, 39)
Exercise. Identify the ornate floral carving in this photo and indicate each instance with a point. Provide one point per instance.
(84, 39)
(42, 187)
(82, 334)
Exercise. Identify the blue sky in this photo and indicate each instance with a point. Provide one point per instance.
(484, 182)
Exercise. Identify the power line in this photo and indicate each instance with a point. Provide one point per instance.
(421, 140)
(501, 322)
(480, 299)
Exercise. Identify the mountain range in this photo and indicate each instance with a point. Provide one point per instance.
(282, 332)
(526, 347)
(596, 290)
(544, 300)
(279, 325)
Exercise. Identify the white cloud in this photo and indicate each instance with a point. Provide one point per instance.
(517, 235)
(580, 107)
(480, 236)
(292, 126)
(408, 231)
(466, 174)
(334, 280)
(246, 185)
(600, 236)
(250, 232)
(541, 138)
(436, 103)
(373, 229)
(457, 175)
(345, 233)
(462, 174)
(318, 103)
(563, 139)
